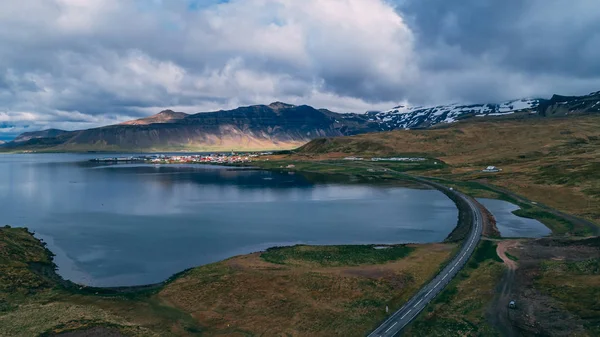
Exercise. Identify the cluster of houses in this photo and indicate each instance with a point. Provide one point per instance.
(408, 159)
(212, 158)
(183, 159)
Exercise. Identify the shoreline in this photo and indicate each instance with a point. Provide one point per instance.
(280, 282)
(452, 236)
(456, 236)
(145, 288)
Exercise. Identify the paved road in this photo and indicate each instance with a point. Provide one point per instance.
(395, 323)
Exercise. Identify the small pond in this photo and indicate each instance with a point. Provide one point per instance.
(511, 225)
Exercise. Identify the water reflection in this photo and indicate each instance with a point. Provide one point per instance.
(137, 224)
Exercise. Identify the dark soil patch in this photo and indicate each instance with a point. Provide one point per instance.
(489, 223)
(93, 332)
(554, 287)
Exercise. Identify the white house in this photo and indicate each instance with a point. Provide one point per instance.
(492, 169)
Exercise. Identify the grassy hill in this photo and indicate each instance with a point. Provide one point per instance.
(286, 291)
(555, 161)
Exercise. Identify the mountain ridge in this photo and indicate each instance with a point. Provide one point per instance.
(257, 127)
(165, 116)
(48, 133)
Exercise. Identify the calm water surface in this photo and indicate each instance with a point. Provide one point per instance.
(511, 225)
(137, 224)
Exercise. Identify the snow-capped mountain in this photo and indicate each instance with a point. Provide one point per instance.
(407, 117)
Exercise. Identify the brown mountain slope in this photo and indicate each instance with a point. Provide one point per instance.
(39, 134)
(259, 127)
(473, 142)
(166, 116)
(552, 160)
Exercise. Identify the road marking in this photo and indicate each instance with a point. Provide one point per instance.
(390, 328)
(478, 226)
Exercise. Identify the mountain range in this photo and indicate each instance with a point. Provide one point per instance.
(403, 117)
(274, 126)
(280, 126)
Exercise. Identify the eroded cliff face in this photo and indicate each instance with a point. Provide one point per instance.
(564, 105)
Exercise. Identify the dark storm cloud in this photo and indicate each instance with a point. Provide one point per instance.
(532, 36)
(510, 42)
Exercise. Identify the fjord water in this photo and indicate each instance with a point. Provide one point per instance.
(118, 225)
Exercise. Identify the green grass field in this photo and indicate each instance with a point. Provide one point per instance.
(301, 290)
(337, 255)
(459, 310)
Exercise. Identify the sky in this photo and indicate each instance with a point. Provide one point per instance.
(73, 64)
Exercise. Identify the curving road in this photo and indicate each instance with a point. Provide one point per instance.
(396, 322)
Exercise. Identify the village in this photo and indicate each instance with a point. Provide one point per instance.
(207, 159)
(220, 158)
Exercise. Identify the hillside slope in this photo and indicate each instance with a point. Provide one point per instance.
(565, 105)
(551, 160)
(165, 116)
(49, 133)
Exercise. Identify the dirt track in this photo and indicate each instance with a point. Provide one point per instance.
(539, 311)
(501, 249)
(499, 314)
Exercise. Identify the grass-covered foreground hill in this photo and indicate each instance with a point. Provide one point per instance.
(555, 284)
(291, 291)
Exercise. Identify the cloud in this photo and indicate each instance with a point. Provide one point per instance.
(84, 63)
(480, 51)
(123, 59)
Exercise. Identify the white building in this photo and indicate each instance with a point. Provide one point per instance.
(491, 169)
